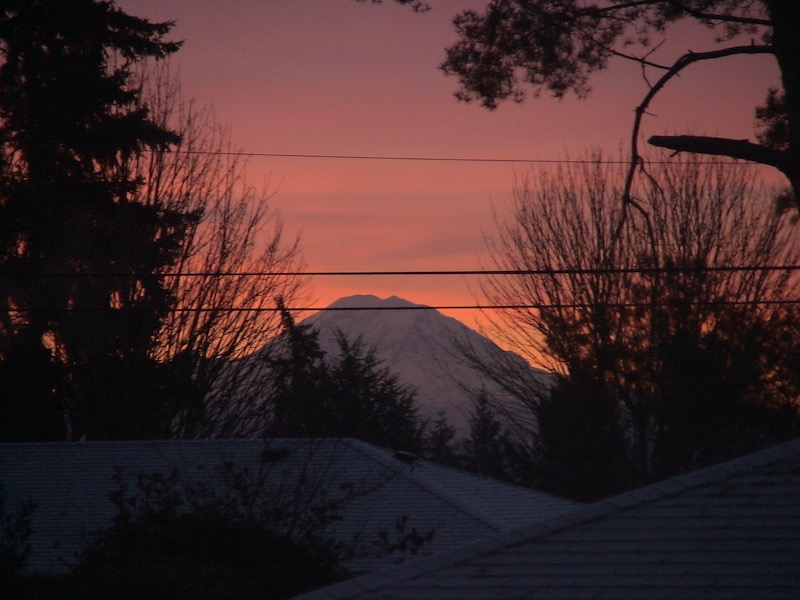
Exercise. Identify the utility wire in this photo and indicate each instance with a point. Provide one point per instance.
(418, 307)
(494, 272)
(457, 159)
(423, 273)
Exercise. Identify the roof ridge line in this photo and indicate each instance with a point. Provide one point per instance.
(580, 515)
(408, 471)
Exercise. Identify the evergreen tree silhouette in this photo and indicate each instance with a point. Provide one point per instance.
(81, 261)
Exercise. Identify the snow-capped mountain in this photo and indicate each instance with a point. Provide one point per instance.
(421, 347)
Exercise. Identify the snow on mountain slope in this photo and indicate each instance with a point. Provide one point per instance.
(419, 346)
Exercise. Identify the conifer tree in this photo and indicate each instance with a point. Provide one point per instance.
(300, 382)
(368, 401)
(349, 395)
(439, 445)
(487, 449)
(82, 261)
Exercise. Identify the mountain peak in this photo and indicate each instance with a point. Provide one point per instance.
(361, 301)
(420, 346)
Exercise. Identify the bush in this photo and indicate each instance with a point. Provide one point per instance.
(175, 540)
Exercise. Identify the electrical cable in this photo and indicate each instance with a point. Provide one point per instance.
(416, 307)
(457, 159)
(422, 273)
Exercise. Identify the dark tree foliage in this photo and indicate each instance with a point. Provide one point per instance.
(351, 395)
(543, 44)
(580, 450)
(82, 259)
(416, 5)
(27, 372)
(300, 383)
(488, 449)
(674, 340)
(177, 539)
(201, 555)
(368, 401)
(438, 444)
(15, 530)
(577, 452)
(772, 121)
(557, 45)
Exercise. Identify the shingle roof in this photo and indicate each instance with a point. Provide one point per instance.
(71, 482)
(729, 531)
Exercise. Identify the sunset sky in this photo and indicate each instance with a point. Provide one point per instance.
(337, 77)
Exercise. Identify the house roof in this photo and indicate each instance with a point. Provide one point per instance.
(728, 531)
(71, 483)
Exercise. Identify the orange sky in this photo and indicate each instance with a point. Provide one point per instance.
(346, 78)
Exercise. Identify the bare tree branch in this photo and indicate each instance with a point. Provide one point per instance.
(638, 59)
(698, 14)
(237, 233)
(679, 65)
(631, 330)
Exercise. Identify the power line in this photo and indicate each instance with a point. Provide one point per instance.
(389, 158)
(582, 306)
(419, 307)
(455, 159)
(424, 273)
(505, 272)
